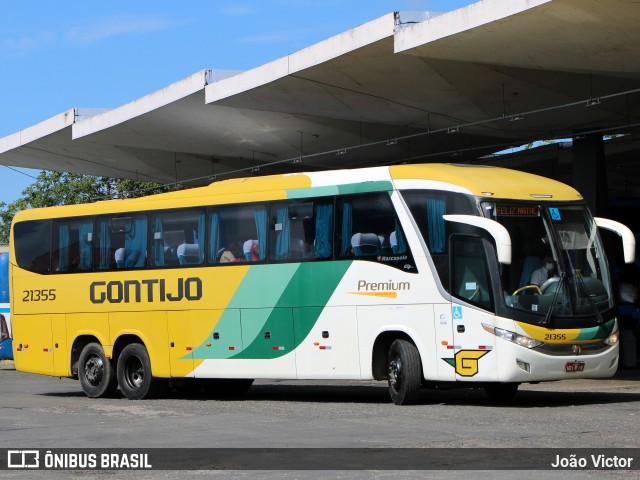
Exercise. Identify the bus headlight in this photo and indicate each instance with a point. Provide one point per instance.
(613, 338)
(513, 337)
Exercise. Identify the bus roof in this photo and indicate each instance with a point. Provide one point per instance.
(487, 181)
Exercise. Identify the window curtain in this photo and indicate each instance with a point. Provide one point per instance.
(324, 220)
(201, 227)
(401, 246)
(63, 248)
(260, 215)
(104, 245)
(436, 208)
(158, 243)
(135, 243)
(214, 237)
(86, 258)
(347, 228)
(282, 235)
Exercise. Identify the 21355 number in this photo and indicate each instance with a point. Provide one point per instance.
(46, 295)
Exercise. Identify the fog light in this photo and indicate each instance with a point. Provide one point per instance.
(524, 366)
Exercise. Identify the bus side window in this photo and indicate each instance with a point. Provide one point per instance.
(178, 238)
(470, 273)
(72, 245)
(301, 230)
(32, 253)
(121, 242)
(368, 227)
(237, 234)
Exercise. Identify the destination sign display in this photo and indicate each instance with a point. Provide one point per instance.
(517, 211)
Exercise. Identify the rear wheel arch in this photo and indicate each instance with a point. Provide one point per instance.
(79, 343)
(122, 341)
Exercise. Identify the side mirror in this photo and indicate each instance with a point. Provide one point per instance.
(628, 239)
(498, 232)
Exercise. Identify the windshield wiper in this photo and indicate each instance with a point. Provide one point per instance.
(599, 317)
(547, 317)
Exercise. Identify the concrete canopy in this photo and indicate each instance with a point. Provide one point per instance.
(453, 87)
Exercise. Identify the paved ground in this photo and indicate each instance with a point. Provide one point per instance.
(45, 412)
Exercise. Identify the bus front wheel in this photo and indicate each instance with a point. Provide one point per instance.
(134, 372)
(95, 372)
(404, 372)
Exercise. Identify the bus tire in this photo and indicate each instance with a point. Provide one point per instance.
(501, 392)
(96, 373)
(404, 372)
(134, 373)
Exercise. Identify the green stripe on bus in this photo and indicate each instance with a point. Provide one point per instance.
(599, 332)
(266, 298)
(348, 189)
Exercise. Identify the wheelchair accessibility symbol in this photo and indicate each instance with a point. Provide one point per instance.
(555, 214)
(457, 313)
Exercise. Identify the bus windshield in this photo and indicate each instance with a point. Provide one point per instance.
(558, 267)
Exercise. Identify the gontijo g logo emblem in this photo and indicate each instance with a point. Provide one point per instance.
(466, 361)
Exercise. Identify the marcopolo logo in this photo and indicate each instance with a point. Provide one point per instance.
(151, 290)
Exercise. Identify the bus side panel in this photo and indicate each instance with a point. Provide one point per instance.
(414, 320)
(179, 325)
(33, 343)
(267, 334)
(330, 349)
(151, 328)
(61, 361)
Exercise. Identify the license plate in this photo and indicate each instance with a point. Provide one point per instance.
(574, 367)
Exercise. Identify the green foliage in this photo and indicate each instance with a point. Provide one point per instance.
(54, 188)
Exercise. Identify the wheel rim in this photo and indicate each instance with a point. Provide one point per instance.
(134, 372)
(395, 373)
(94, 370)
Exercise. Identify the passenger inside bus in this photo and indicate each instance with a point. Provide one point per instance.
(251, 250)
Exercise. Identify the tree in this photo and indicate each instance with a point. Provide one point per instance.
(55, 188)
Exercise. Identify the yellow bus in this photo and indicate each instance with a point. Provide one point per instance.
(420, 275)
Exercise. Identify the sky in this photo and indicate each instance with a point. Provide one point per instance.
(104, 53)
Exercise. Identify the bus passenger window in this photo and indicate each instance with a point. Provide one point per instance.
(368, 227)
(237, 234)
(72, 245)
(178, 238)
(301, 231)
(121, 242)
(32, 253)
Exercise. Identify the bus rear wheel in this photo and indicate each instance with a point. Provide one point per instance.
(95, 372)
(404, 372)
(134, 373)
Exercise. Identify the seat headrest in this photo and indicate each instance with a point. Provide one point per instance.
(365, 240)
(188, 250)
